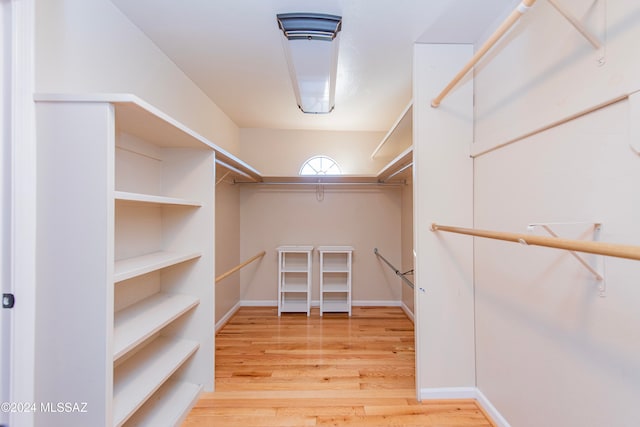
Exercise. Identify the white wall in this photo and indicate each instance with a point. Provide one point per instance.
(407, 243)
(5, 198)
(443, 186)
(545, 58)
(227, 244)
(89, 46)
(550, 350)
(278, 152)
(363, 218)
(23, 207)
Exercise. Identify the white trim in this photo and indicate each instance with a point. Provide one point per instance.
(408, 312)
(316, 303)
(443, 393)
(23, 209)
(5, 203)
(259, 303)
(133, 100)
(491, 410)
(374, 303)
(223, 321)
(394, 127)
(440, 393)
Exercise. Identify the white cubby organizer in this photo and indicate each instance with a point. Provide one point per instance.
(335, 279)
(294, 279)
(125, 253)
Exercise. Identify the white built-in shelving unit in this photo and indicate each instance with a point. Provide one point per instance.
(397, 146)
(125, 261)
(335, 278)
(294, 279)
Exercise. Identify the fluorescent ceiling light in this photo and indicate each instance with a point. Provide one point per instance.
(311, 47)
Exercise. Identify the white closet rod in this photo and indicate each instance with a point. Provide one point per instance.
(598, 248)
(497, 35)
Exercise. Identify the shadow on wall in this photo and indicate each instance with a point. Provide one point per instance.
(630, 22)
(577, 342)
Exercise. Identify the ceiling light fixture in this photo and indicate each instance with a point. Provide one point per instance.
(311, 47)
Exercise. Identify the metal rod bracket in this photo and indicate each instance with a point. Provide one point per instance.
(395, 270)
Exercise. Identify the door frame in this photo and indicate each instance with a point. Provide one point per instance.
(19, 219)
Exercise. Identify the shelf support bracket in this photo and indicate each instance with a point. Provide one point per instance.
(226, 174)
(598, 276)
(593, 40)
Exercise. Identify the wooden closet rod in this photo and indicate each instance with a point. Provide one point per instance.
(556, 123)
(598, 248)
(239, 266)
(502, 29)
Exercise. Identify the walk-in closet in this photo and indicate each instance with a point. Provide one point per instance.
(339, 212)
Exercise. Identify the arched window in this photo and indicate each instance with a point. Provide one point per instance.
(320, 165)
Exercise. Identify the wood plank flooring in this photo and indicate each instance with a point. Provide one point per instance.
(333, 370)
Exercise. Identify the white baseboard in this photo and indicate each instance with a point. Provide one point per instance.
(465, 393)
(220, 323)
(408, 312)
(491, 410)
(448, 393)
(259, 303)
(316, 303)
(367, 303)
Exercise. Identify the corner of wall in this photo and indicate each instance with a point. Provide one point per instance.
(460, 393)
(443, 192)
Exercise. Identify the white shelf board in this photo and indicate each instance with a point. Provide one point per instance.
(294, 306)
(295, 269)
(125, 196)
(296, 288)
(137, 266)
(141, 119)
(141, 375)
(335, 288)
(335, 269)
(337, 249)
(335, 306)
(295, 248)
(141, 320)
(403, 160)
(401, 129)
(168, 407)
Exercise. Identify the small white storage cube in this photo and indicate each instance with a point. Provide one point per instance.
(294, 279)
(335, 279)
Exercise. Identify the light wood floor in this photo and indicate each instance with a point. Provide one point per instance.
(334, 370)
